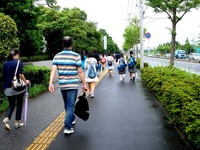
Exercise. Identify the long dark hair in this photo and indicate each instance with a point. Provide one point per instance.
(11, 54)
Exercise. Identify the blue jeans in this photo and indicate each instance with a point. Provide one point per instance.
(12, 100)
(69, 97)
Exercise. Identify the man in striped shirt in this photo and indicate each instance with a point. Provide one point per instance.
(68, 64)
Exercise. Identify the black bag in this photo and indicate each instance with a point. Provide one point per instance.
(82, 107)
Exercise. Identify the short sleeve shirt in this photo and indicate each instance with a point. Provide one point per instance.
(67, 63)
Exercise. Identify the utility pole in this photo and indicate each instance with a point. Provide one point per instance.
(141, 34)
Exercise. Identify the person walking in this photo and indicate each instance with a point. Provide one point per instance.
(110, 64)
(68, 64)
(103, 61)
(83, 58)
(122, 67)
(132, 66)
(91, 73)
(13, 96)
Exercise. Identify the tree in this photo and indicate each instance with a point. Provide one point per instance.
(55, 24)
(164, 48)
(8, 39)
(188, 47)
(176, 10)
(8, 36)
(25, 14)
(111, 45)
(132, 34)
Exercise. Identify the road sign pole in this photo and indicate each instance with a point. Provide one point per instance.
(141, 34)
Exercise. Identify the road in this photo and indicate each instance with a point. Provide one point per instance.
(187, 66)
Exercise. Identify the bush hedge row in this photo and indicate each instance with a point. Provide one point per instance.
(138, 64)
(39, 77)
(35, 58)
(179, 92)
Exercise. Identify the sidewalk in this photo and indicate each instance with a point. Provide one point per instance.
(123, 116)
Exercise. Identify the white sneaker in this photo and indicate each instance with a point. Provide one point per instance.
(74, 122)
(68, 131)
(6, 125)
(18, 125)
(92, 95)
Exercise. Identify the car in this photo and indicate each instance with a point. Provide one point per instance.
(194, 56)
(180, 54)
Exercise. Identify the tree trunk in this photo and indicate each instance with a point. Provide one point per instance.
(173, 40)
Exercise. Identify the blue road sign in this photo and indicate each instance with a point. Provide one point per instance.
(148, 35)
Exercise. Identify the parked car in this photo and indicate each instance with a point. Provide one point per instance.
(181, 54)
(194, 56)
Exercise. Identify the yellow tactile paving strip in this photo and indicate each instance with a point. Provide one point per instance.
(46, 137)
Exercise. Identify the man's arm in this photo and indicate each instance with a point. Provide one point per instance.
(82, 76)
(53, 71)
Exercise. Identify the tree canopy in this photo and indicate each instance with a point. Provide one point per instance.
(25, 14)
(132, 34)
(8, 36)
(175, 10)
(55, 24)
(111, 45)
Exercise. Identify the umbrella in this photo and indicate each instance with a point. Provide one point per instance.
(26, 105)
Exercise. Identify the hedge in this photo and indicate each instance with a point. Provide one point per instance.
(179, 93)
(39, 77)
(35, 58)
(138, 64)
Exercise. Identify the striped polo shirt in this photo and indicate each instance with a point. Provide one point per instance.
(67, 63)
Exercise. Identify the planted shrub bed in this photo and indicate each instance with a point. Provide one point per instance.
(39, 77)
(179, 92)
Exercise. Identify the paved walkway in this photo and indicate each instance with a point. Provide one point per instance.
(123, 116)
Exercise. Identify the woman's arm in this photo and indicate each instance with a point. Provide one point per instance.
(24, 79)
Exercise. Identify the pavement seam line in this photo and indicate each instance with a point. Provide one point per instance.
(46, 137)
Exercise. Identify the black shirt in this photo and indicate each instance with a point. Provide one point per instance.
(9, 71)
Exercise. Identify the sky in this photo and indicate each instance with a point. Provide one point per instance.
(112, 15)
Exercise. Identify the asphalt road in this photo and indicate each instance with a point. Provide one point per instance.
(187, 66)
(123, 116)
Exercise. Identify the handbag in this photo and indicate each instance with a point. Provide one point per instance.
(17, 83)
(82, 107)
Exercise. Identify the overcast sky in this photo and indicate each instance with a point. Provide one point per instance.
(112, 16)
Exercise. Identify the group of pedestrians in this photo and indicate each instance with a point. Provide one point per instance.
(69, 65)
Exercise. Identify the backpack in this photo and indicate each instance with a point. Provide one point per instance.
(103, 59)
(109, 63)
(122, 65)
(91, 72)
(132, 62)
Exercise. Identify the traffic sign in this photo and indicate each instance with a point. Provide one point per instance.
(148, 35)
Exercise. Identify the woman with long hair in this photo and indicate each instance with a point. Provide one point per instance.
(13, 96)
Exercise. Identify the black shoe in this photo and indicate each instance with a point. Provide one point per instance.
(133, 79)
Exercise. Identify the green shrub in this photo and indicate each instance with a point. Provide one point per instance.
(35, 58)
(138, 64)
(39, 77)
(179, 92)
